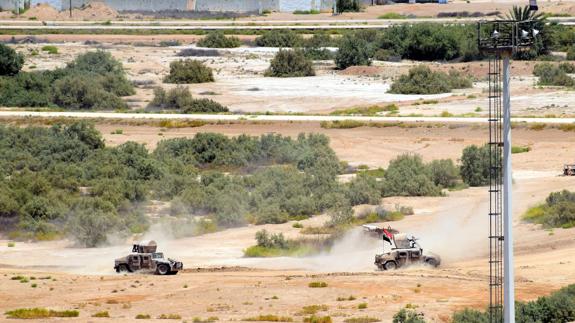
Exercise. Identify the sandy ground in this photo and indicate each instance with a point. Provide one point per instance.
(241, 86)
(234, 288)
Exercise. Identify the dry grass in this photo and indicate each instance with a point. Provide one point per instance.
(317, 285)
(269, 318)
(39, 313)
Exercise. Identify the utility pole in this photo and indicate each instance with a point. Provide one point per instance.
(70, 8)
(508, 274)
(500, 39)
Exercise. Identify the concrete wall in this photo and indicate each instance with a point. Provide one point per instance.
(237, 5)
(145, 5)
(10, 4)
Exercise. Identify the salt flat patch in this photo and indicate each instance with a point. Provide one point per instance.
(324, 86)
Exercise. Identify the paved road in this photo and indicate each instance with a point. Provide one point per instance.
(276, 118)
(237, 24)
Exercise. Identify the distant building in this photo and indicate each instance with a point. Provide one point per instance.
(211, 5)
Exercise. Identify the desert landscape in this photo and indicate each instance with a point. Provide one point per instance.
(210, 179)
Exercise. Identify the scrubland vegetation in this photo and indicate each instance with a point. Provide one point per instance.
(180, 99)
(63, 180)
(422, 80)
(189, 71)
(39, 313)
(94, 80)
(556, 75)
(557, 307)
(558, 211)
(218, 39)
(290, 63)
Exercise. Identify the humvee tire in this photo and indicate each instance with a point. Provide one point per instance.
(163, 269)
(390, 265)
(123, 269)
(431, 262)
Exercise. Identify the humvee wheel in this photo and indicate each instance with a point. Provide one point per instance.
(163, 269)
(431, 262)
(390, 265)
(122, 269)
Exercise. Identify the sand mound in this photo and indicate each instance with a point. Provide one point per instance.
(92, 11)
(43, 11)
(362, 70)
(95, 11)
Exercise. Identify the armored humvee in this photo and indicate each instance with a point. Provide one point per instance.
(405, 251)
(145, 258)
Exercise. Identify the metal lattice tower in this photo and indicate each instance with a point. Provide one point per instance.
(495, 146)
(500, 39)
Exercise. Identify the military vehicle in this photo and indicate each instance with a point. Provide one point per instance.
(145, 258)
(569, 169)
(405, 251)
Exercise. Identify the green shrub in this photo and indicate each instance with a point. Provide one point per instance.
(392, 15)
(78, 92)
(101, 314)
(10, 62)
(189, 71)
(11, 244)
(407, 176)
(571, 53)
(317, 319)
(314, 47)
(180, 98)
(422, 80)
(317, 285)
(520, 149)
(348, 6)
(170, 43)
(313, 309)
(475, 165)
(39, 313)
(279, 38)
(218, 39)
(353, 51)
(567, 67)
(306, 12)
(269, 318)
(143, 317)
(408, 316)
(557, 211)
(550, 74)
(52, 50)
(362, 319)
(170, 317)
(290, 63)
(343, 124)
(470, 316)
(362, 306)
(443, 173)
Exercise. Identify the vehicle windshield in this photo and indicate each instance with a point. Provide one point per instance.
(157, 255)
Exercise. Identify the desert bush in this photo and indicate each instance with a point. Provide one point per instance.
(557, 307)
(317, 319)
(177, 98)
(317, 284)
(362, 306)
(571, 53)
(143, 317)
(474, 168)
(443, 173)
(101, 314)
(189, 71)
(170, 317)
(50, 49)
(408, 316)
(290, 63)
(348, 6)
(269, 318)
(550, 74)
(407, 176)
(363, 189)
(39, 313)
(353, 51)
(78, 92)
(557, 211)
(170, 43)
(520, 149)
(11, 62)
(422, 80)
(217, 39)
(470, 316)
(313, 309)
(314, 47)
(279, 38)
(362, 319)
